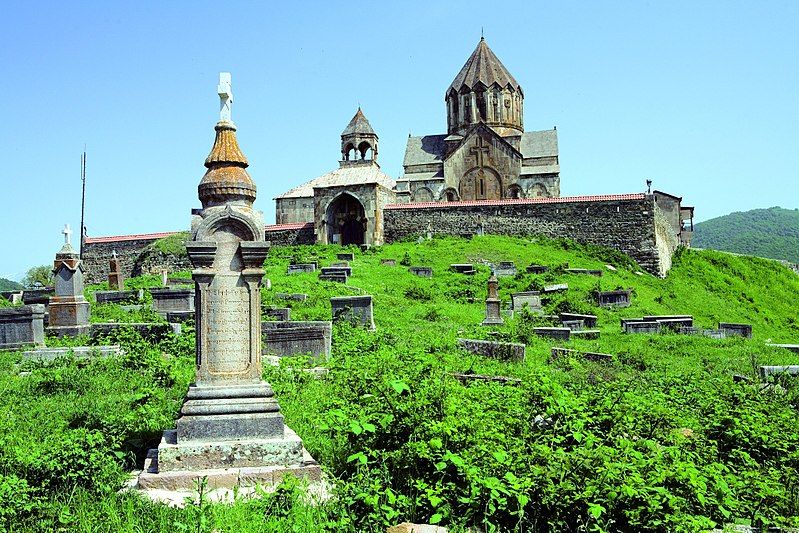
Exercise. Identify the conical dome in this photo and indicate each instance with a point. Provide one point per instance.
(358, 141)
(358, 124)
(226, 179)
(483, 67)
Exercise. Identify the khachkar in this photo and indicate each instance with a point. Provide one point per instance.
(492, 302)
(230, 430)
(69, 310)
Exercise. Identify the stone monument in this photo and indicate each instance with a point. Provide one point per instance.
(116, 281)
(230, 429)
(69, 309)
(492, 303)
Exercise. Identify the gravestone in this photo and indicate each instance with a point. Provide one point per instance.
(766, 371)
(166, 300)
(178, 317)
(557, 287)
(37, 296)
(586, 334)
(116, 282)
(463, 268)
(151, 331)
(285, 339)
(340, 264)
(557, 353)
(505, 351)
(300, 268)
(347, 271)
(530, 299)
(164, 277)
(21, 326)
(640, 326)
(295, 296)
(231, 429)
(505, 269)
(336, 277)
(355, 309)
(739, 330)
(388, 262)
(79, 352)
(13, 297)
(554, 333)
(583, 271)
(68, 309)
(537, 269)
(792, 347)
(493, 316)
(672, 321)
(280, 314)
(613, 298)
(574, 325)
(421, 271)
(588, 320)
(346, 256)
(116, 297)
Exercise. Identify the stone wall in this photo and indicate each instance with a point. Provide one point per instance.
(289, 234)
(623, 222)
(97, 252)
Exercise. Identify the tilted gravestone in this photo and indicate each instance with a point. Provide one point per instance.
(613, 298)
(21, 326)
(588, 320)
(506, 351)
(530, 299)
(505, 269)
(169, 299)
(230, 426)
(355, 309)
(285, 339)
(69, 310)
(301, 268)
(739, 330)
(493, 316)
(555, 333)
(346, 256)
(347, 271)
(421, 271)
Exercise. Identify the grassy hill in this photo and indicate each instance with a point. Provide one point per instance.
(8, 285)
(772, 232)
(660, 439)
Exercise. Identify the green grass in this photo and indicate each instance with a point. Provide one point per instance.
(659, 439)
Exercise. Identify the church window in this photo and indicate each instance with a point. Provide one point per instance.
(482, 183)
(450, 196)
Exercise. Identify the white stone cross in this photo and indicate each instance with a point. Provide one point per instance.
(225, 97)
(67, 233)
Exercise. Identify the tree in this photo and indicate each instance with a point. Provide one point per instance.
(39, 274)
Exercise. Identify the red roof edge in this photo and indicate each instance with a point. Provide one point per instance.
(520, 201)
(282, 227)
(138, 237)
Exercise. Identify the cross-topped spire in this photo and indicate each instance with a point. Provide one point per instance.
(225, 97)
(67, 234)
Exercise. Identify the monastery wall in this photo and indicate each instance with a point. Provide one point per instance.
(97, 253)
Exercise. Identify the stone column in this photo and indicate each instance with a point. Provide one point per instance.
(492, 303)
(69, 309)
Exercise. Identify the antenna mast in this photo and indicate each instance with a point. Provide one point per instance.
(82, 200)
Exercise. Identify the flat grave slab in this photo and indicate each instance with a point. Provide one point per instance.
(421, 271)
(584, 271)
(613, 298)
(740, 330)
(792, 347)
(176, 317)
(347, 271)
(590, 356)
(51, 354)
(388, 262)
(337, 277)
(172, 299)
(588, 320)
(556, 287)
(115, 297)
(766, 371)
(301, 268)
(537, 269)
(356, 309)
(505, 269)
(531, 299)
(555, 333)
(346, 256)
(280, 314)
(284, 339)
(296, 296)
(586, 334)
(22, 326)
(505, 351)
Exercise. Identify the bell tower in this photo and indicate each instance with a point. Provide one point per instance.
(358, 142)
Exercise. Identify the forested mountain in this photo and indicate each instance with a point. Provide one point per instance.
(772, 232)
(8, 285)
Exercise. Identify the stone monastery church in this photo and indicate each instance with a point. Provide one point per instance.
(485, 155)
(485, 175)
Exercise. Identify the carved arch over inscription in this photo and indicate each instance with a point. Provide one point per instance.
(481, 183)
(538, 190)
(229, 216)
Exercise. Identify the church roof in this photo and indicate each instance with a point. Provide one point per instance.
(358, 124)
(429, 149)
(483, 66)
(341, 177)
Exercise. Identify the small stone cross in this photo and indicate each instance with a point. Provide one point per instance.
(67, 234)
(479, 151)
(225, 97)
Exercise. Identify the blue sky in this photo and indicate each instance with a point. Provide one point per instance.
(701, 97)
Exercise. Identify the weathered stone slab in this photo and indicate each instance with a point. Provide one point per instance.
(640, 326)
(462, 268)
(740, 330)
(583, 271)
(537, 269)
(465, 378)
(281, 314)
(388, 262)
(82, 352)
(297, 296)
(166, 299)
(588, 320)
(672, 321)
(37, 296)
(115, 297)
(590, 356)
(557, 287)
(531, 299)
(574, 325)
(178, 317)
(338, 277)
(505, 269)
(421, 271)
(347, 271)
(586, 334)
(505, 351)
(298, 338)
(555, 333)
(346, 256)
(300, 268)
(792, 347)
(21, 326)
(613, 298)
(766, 371)
(356, 309)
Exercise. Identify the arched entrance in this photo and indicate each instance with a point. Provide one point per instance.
(481, 183)
(346, 221)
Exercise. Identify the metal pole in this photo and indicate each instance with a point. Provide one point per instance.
(82, 199)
